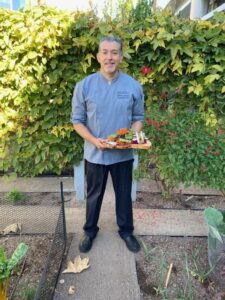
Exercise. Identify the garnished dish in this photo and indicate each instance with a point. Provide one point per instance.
(125, 138)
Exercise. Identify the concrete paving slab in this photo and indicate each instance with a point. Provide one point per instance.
(42, 219)
(52, 184)
(147, 222)
(112, 273)
(169, 222)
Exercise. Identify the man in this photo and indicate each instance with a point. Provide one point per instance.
(102, 103)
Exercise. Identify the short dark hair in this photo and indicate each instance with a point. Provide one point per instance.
(111, 38)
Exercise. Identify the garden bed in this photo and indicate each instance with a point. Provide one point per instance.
(178, 201)
(25, 278)
(190, 277)
(39, 222)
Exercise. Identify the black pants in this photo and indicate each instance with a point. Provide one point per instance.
(96, 176)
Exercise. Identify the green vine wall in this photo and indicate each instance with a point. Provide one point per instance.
(180, 64)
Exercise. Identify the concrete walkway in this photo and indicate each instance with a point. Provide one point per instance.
(112, 272)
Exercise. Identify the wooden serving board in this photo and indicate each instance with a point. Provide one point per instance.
(146, 146)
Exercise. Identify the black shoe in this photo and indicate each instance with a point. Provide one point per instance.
(85, 244)
(132, 243)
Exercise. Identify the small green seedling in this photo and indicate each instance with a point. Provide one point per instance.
(161, 290)
(15, 196)
(28, 293)
(148, 253)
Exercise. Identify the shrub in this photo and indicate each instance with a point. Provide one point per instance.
(180, 64)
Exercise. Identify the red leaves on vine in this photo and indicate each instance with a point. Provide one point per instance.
(153, 123)
(157, 125)
(217, 153)
(220, 131)
(209, 150)
(172, 134)
(164, 95)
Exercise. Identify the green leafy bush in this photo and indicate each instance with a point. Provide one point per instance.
(185, 149)
(180, 64)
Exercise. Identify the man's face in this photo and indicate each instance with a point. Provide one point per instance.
(109, 57)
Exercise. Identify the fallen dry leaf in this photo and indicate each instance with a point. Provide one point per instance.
(71, 290)
(12, 228)
(78, 265)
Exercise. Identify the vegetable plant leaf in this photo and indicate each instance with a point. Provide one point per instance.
(213, 216)
(18, 254)
(214, 232)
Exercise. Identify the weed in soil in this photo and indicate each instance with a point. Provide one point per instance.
(15, 196)
(190, 275)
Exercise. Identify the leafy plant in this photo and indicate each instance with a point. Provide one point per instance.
(216, 222)
(7, 265)
(180, 64)
(15, 196)
(196, 271)
(160, 289)
(184, 149)
(188, 291)
(148, 253)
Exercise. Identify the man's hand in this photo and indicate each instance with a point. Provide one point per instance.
(100, 144)
(137, 126)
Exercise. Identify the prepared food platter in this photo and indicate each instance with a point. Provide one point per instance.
(125, 139)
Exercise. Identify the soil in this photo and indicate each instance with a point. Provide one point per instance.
(42, 198)
(190, 279)
(178, 201)
(191, 276)
(24, 279)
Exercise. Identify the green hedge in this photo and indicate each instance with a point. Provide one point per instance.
(45, 52)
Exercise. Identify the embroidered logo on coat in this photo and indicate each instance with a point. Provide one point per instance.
(123, 94)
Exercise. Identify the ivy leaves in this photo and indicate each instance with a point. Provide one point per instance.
(45, 52)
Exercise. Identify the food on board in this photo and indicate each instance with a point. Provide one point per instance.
(124, 138)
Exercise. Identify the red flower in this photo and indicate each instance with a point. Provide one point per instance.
(146, 70)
